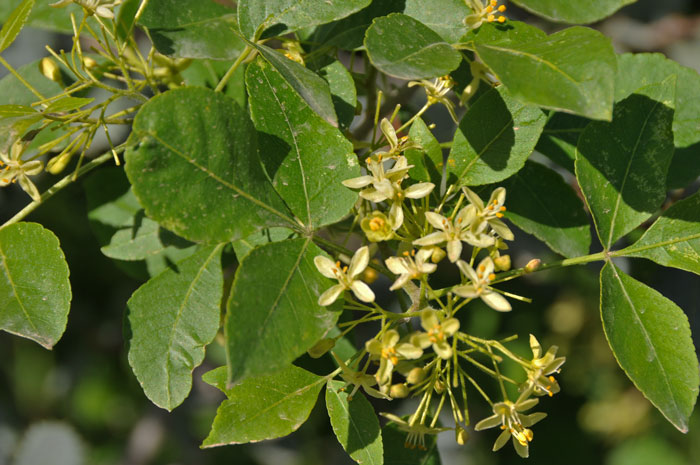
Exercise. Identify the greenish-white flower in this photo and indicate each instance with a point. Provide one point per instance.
(539, 375)
(416, 432)
(345, 277)
(378, 185)
(102, 8)
(415, 191)
(410, 267)
(397, 145)
(358, 380)
(479, 285)
(514, 423)
(436, 92)
(14, 169)
(454, 232)
(389, 351)
(438, 330)
(377, 227)
(492, 212)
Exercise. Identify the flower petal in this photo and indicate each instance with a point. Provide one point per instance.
(468, 291)
(429, 319)
(396, 215)
(431, 239)
(400, 282)
(489, 422)
(450, 326)
(502, 440)
(396, 265)
(362, 291)
(501, 229)
(420, 190)
(359, 261)
(454, 250)
(29, 187)
(326, 266)
(390, 338)
(496, 301)
(474, 199)
(331, 295)
(389, 132)
(436, 220)
(467, 271)
(358, 183)
(409, 351)
(443, 349)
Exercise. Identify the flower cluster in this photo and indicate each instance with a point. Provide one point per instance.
(102, 8)
(14, 169)
(481, 13)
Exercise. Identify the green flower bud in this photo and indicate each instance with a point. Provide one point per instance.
(502, 263)
(50, 69)
(461, 435)
(439, 387)
(398, 391)
(416, 375)
(321, 347)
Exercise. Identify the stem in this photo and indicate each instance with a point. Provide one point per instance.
(59, 186)
(224, 80)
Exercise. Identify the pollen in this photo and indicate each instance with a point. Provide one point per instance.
(499, 215)
(491, 18)
(492, 277)
(375, 224)
(345, 269)
(502, 8)
(406, 254)
(501, 19)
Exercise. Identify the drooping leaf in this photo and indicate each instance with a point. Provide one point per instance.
(343, 92)
(541, 203)
(446, 17)
(306, 157)
(494, 139)
(172, 318)
(578, 62)
(396, 453)
(123, 230)
(273, 315)
(674, 238)
(194, 167)
(650, 337)
(349, 33)
(35, 292)
(291, 15)
(621, 166)
(403, 47)
(355, 424)
(426, 161)
(573, 12)
(559, 138)
(262, 407)
(192, 29)
(14, 23)
(51, 442)
(309, 85)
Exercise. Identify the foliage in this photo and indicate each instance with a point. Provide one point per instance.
(265, 133)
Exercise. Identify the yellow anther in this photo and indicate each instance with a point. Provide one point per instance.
(501, 19)
(491, 18)
(413, 252)
(489, 9)
(406, 253)
(492, 277)
(494, 2)
(502, 8)
(345, 269)
(375, 224)
(482, 268)
(551, 379)
(503, 209)
(499, 215)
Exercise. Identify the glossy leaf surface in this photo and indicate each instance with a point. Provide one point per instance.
(574, 12)
(262, 407)
(494, 139)
(355, 424)
(195, 169)
(35, 293)
(621, 166)
(306, 157)
(446, 17)
(273, 313)
(172, 318)
(650, 337)
(403, 47)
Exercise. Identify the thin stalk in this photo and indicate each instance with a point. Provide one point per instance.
(241, 58)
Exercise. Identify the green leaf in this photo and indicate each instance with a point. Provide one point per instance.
(123, 230)
(14, 111)
(192, 29)
(263, 407)
(396, 453)
(343, 92)
(560, 137)
(44, 16)
(673, 239)
(208, 73)
(67, 103)
(306, 157)
(427, 162)
(621, 166)
(290, 15)
(273, 314)
(242, 247)
(650, 337)
(574, 12)
(578, 62)
(494, 139)
(309, 85)
(12, 25)
(355, 424)
(445, 17)
(35, 292)
(403, 47)
(541, 203)
(349, 33)
(194, 166)
(635, 71)
(172, 318)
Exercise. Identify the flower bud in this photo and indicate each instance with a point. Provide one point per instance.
(321, 347)
(90, 63)
(370, 275)
(398, 391)
(57, 164)
(439, 387)
(438, 255)
(50, 69)
(461, 435)
(502, 263)
(416, 375)
(533, 265)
